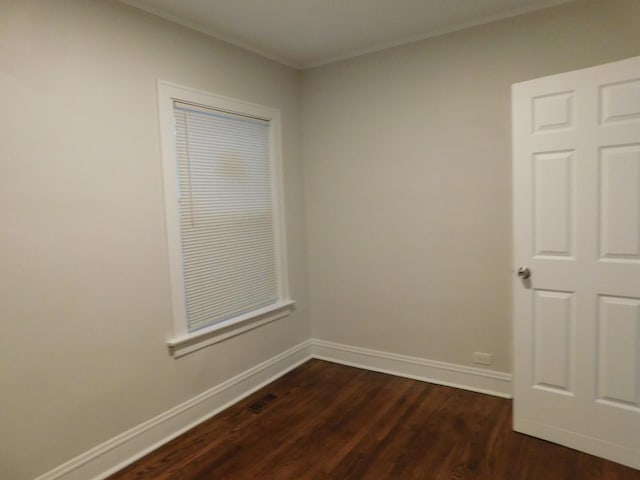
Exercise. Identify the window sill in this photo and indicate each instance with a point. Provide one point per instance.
(219, 332)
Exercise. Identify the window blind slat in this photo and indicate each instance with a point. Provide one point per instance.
(226, 214)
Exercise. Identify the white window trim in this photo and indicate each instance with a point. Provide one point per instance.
(183, 341)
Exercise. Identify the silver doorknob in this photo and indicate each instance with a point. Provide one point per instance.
(524, 272)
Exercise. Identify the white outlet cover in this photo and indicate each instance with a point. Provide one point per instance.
(482, 358)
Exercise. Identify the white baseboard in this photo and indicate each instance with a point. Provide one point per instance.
(118, 452)
(441, 373)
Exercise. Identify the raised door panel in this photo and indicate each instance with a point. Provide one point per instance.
(620, 202)
(552, 336)
(553, 203)
(553, 112)
(620, 102)
(618, 357)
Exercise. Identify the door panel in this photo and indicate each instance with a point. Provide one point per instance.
(620, 202)
(553, 203)
(553, 112)
(618, 367)
(620, 101)
(553, 344)
(577, 227)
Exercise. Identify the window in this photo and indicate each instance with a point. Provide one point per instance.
(224, 216)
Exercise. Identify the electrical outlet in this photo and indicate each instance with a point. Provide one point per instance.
(482, 358)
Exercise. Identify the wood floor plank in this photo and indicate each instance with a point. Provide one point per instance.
(324, 421)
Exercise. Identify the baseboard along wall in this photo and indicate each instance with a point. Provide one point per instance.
(432, 371)
(114, 454)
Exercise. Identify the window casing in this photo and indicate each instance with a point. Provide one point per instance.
(223, 203)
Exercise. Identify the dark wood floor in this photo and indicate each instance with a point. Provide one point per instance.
(328, 421)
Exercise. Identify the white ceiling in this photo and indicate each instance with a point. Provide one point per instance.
(308, 33)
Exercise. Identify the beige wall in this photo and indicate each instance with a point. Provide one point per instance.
(84, 282)
(408, 179)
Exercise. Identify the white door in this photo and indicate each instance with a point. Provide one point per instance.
(576, 160)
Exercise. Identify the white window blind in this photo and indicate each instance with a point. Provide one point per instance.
(226, 209)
